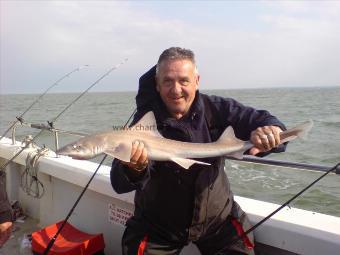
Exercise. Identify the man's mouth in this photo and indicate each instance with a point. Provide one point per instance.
(177, 98)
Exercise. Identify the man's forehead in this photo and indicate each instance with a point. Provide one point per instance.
(176, 65)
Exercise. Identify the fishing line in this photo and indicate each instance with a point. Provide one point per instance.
(54, 238)
(106, 74)
(2, 168)
(236, 239)
(37, 100)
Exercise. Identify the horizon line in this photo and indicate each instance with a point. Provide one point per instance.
(135, 91)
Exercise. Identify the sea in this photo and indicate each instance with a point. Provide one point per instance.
(99, 111)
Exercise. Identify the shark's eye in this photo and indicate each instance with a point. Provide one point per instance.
(76, 147)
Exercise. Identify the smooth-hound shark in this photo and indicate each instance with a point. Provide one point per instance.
(118, 144)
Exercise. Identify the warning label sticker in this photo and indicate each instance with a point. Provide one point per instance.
(118, 215)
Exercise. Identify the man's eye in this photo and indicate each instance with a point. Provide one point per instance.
(185, 82)
(167, 82)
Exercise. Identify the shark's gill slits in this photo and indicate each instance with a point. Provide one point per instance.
(96, 150)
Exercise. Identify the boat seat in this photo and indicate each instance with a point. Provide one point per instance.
(70, 241)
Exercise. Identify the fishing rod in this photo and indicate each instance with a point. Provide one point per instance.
(43, 94)
(106, 74)
(54, 238)
(236, 239)
(2, 168)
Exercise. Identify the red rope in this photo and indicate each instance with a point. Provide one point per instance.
(240, 232)
(142, 246)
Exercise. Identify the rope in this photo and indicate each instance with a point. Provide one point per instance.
(30, 182)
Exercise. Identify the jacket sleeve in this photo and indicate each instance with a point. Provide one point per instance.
(124, 179)
(245, 119)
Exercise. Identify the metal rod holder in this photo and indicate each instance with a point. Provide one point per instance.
(56, 140)
(14, 132)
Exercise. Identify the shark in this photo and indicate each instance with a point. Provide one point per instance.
(118, 144)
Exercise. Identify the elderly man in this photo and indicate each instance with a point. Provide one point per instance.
(5, 211)
(174, 206)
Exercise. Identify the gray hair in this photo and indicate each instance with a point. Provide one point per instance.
(175, 53)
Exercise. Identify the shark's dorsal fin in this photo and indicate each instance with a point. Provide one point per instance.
(147, 123)
(227, 135)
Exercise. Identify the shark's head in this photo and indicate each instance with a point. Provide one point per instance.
(81, 149)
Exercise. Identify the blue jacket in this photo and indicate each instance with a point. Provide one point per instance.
(181, 204)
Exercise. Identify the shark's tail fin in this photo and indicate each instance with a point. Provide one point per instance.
(305, 128)
(300, 131)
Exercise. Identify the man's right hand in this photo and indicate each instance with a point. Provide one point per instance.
(5, 232)
(139, 157)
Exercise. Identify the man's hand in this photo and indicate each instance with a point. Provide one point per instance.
(5, 232)
(264, 139)
(139, 157)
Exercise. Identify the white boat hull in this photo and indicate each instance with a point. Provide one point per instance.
(101, 210)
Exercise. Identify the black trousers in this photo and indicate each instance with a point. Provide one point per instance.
(138, 241)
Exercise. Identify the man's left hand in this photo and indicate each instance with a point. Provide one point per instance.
(264, 139)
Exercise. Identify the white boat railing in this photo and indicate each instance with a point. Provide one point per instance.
(281, 163)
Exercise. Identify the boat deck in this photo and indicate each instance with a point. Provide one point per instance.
(20, 228)
(29, 225)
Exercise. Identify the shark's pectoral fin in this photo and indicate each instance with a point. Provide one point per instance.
(186, 163)
(121, 152)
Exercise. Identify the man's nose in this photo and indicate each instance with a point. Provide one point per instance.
(177, 88)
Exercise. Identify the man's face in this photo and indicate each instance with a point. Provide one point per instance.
(177, 83)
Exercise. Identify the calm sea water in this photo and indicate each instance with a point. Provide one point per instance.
(100, 111)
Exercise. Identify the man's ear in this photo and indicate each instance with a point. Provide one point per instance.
(157, 86)
(197, 81)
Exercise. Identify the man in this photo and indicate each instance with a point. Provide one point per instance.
(174, 206)
(5, 211)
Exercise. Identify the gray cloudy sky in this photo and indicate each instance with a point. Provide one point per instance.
(238, 44)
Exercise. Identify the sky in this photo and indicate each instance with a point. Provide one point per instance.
(238, 44)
